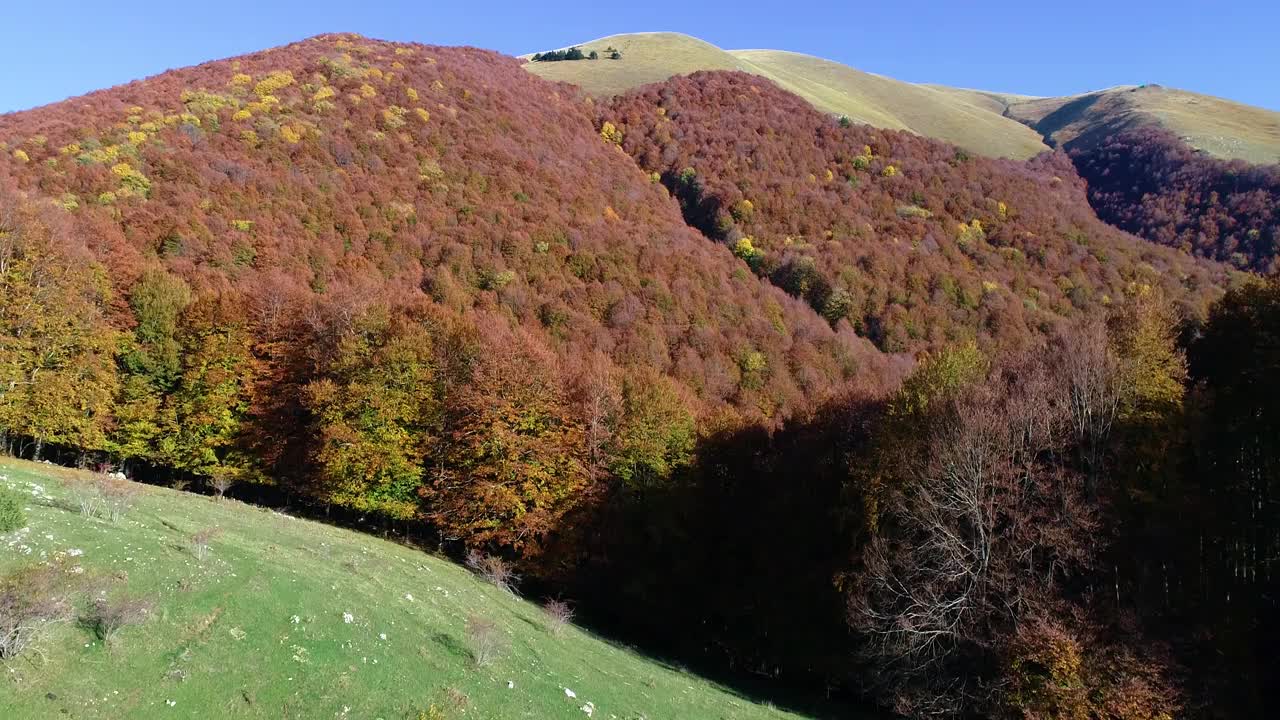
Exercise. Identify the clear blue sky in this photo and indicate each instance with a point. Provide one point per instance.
(56, 49)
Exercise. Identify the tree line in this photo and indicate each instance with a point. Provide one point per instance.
(575, 53)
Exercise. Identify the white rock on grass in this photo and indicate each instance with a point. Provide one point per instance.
(348, 618)
(569, 693)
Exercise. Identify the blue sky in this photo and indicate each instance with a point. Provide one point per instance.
(56, 49)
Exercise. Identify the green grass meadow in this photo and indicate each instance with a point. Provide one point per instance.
(288, 618)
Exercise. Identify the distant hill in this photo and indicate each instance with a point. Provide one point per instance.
(902, 236)
(1166, 164)
(1191, 171)
(829, 86)
(1219, 127)
(990, 123)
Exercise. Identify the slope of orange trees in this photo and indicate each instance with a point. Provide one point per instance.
(381, 274)
(1151, 183)
(911, 241)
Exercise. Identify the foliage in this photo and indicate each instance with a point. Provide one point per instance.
(31, 597)
(485, 641)
(610, 133)
(656, 436)
(899, 268)
(12, 516)
(1149, 182)
(559, 615)
(375, 411)
(573, 53)
(988, 522)
(56, 346)
(107, 616)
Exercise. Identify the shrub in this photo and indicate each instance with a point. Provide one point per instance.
(108, 616)
(85, 494)
(30, 599)
(222, 480)
(559, 615)
(200, 542)
(273, 83)
(494, 570)
(12, 516)
(747, 251)
(611, 133)
(484, 640)
(116, 496)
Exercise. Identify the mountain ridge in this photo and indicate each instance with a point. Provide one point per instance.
(1221, 127)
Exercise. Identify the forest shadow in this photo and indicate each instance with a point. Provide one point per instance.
(730, 567)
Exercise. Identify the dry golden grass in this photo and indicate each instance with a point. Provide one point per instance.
(829, 86)
(646, 58)
(1220, 127)
(989, 123)
(884, 102)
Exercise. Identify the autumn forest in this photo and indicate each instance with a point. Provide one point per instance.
(798, 401)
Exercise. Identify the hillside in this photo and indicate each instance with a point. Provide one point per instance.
(697, 355)
(883, 102)
(1220, 127)
(831, 87)
(1190, 171)
(292, 219)
(646, 58)
(909, 241)
(976, 120)
(1149, 182)
(288, 618)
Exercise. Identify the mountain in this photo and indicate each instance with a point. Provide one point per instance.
(831, 87)
(912, 242)
(325, 203)
(1218, 127)
(746, 380)
(1204, 183)
(977, 120)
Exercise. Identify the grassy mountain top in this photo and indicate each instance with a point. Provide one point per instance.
(990, 123)
(831, 87)
(646, 58)
(892, 104)
(1220, 127)
(259, 626)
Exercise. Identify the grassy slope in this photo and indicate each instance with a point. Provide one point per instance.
(924, 110)
(829, 86)
(1220, 127)
(646, 58)
(990, 123)
(226, 624)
